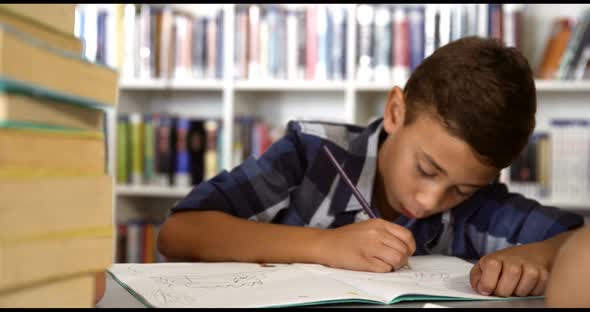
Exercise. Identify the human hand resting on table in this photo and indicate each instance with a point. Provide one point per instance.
(509, 272)
(375, 245)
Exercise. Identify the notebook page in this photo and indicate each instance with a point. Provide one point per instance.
(228, 285)
(433, 275)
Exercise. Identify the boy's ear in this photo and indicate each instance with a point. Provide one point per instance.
(395, 110)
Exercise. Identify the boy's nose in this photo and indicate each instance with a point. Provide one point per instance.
(429, 199)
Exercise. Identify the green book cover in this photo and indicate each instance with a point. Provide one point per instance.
(122, 149)
(148, 149)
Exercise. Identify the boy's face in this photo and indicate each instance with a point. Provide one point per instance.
(424, 169)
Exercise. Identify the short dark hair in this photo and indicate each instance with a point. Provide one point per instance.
(482, 91)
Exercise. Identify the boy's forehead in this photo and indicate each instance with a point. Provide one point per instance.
(433, 141)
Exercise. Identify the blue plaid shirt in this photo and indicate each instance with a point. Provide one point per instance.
(293, 183)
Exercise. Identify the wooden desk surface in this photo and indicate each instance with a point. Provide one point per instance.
(117, 297)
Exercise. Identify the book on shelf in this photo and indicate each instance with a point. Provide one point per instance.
(555, 46)
(79, 288)
(137, 242)
(577, 41)
(554, 164)
(254, 285)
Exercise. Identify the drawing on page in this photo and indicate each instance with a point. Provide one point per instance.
(437, 276)
(234, 280)
(167, 297)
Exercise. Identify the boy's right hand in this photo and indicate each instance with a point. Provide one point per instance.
(375, 245)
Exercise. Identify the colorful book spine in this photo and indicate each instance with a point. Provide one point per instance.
(122, 149)
(136, 150)
(416, 36)
(365, 62)
(182, 168)
(383, 43)
(148, 150)
(211, 149)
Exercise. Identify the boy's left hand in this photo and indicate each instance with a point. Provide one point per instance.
(509, 272)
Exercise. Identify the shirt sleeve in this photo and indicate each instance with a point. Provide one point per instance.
(257, 189)
(505, 219)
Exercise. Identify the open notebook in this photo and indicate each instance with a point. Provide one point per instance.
(248, 285)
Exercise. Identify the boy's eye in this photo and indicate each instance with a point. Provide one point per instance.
(465, 194)
(424, 173)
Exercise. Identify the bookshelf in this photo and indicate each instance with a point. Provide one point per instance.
(278, 100)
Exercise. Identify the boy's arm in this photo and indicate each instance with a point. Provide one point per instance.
(569, 281)
(228, 219)
(517, 271)
(522, 241)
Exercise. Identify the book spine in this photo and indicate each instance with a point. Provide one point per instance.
(211, 149)
(383, 42)
(133, 240)
(270, 31)
(219, 45)
(182, 168)
(416, 36)
(365, 24)
(495, 20)
(145, 35)
(130, 38)
(482, 20)
(338, 19)
(311, 42)
(512, 24)
(254, 41)
(401, 49)
(121, 256)
(429, 29)
(122, 149)
(148, 150)
(163, 151)
(136, 140)
(211, 47)
(292, 40)
(301, 43)
(241, 42)
(196, 150)
(321, 65)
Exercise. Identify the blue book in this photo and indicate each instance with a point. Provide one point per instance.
(182, 169)
(416, 29)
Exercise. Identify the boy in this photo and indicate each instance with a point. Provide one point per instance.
(428, 168)
(568, 284)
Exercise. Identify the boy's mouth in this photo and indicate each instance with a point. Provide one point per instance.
(406, 212)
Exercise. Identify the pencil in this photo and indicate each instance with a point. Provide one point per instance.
(355, 191)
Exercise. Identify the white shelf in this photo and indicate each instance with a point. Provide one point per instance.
(563, 85)
(175, 84)
(151, 191)
(290, 85)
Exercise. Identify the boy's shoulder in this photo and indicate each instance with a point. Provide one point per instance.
(339, 133)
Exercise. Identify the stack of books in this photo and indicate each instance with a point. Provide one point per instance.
(56, 196)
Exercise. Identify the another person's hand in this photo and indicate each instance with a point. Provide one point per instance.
(100, 285)
(507, 273)
(374, 245)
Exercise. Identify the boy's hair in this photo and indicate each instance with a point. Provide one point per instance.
(482, 91)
